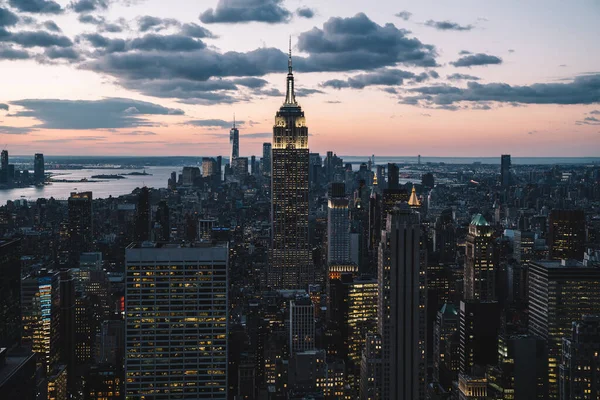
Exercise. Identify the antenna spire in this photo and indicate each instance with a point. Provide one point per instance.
(290, 57)
(290, 97)
(233, 120)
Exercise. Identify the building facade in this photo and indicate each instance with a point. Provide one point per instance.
(480, 271)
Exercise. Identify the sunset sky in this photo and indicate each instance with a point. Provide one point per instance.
(437, 78)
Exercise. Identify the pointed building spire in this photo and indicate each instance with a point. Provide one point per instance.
(233, 120)
(290, 97)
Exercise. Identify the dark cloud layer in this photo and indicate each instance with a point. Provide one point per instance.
(476, 59)
(51, 26)
(66, 53)
(90, 114)
(148, 42)
(582, 90)
(7, 17)
(147, 22)
(405, 15)
(81, 6)
(385, 77)
(359, 43)
(212, 123)
(3, 106)
(14, 130)
(448, 26)
(196, 31)
(240, 11)
(37, 6)
(37, 39)
(9, 53)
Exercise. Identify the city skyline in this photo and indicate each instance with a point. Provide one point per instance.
(437, 81)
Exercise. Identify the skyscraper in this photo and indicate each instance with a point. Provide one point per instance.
(480, 272)
(4, 160)
(393, 175)
(302, 324)
(560, 292)
(291, 264)
(266, 159)
(10, 292)
(142, 216)
(580, 364)
(176, 348)
(566, 238)
(80, 225)
(338, 226)
(234, 142)
(505, 180)
(401, 317)
(38, 168)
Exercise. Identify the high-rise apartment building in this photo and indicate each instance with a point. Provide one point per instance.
(338, 226)
(38, 168)
(80, 225)
(302, 324)
(266, 159)
(580, 363)
(291, 263)
(505, 164)
(560, 292)
(480, 271)
(176, 321)
(10, 292)
(478, 329)
(566, 238)
(40, 315)
(402, 319)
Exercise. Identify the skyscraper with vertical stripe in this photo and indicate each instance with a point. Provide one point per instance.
(291, 265)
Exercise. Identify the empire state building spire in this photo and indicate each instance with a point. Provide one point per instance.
(290, 97)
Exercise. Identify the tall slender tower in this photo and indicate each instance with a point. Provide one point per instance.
(234, 141)
(291, 265)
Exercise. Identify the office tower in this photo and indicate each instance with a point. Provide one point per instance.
(505, 178)
(162, 222)
(580, 363)
(253, 165)
(402, 312)
(189, 175)
(10, 292)
(524, 246)
(57, 383)
(177, 347)
(445, 346)
(234, 142)
(478, 327)
(219, 168)
(389, 200)
(4, 160)
(480, 271)
(393, 177)
(444, 236)
(566, 237)
(40, 311)
(209, 167)
(142, 216)
(302, 324)
(371, 368)
(291, 263)
(38, 168)
(521, 370)
(560, 292)
(338, 226)
(472, 388)
(428, 180)
(17, 374)
(239, 167)
(80, 225)
(67, 323)
(110, 345)
(103, 382)
(266, 159)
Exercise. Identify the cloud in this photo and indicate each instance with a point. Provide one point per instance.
(73, 139)
(241, 11)
(102, 25)
(37, 6)
(405, 15)
(511, 50)
(14, 130)
(589, 121)
(584, 89)
(212, 123)
(147, 22)
(595, 112)
(305, 92)
(434, 74)
(196, 31)
(66, 53)
(81, 6)
(90, 114)
(3, 106)
(9, 53)
(305, 12)
(37, 39)
(385, 77)
(136, 133)
(359, 43)
(333, 102)
(260, 135)
(462, 77)
(448, 26)
(7, 17)
(252, 83)
(476, 59)
(51, 26)
(148, 42)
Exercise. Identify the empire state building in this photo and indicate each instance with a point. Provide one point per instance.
(291, 263)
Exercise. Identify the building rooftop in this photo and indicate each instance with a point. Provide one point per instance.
(479, 220)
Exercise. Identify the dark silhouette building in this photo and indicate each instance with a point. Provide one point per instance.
(566, 238)
(80, 225)
(10, 292)
(142, 217)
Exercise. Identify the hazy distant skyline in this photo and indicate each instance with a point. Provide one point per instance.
(135, 77)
